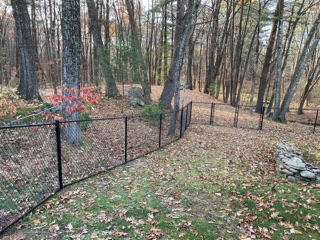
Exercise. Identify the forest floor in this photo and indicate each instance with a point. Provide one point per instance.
(217, 182)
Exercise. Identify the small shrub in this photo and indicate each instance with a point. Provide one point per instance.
(86, 117)
(212, 89)
(81, 101)
(151, 113)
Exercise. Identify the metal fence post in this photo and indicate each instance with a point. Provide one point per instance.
(187, 112)
(315, 122)
(190, 112)
(211, 113)
(181, 122)
(236, 116)
(160, 129)
(126, 140)
(58, 138)
(261, 117)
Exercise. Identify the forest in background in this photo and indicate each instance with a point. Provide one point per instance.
(240, 51)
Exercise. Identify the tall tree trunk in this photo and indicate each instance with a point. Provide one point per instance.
(267, 60)
(183, 30)
(277, 86)
(313, 76)
(138, 62)
(211, 68)
(256, 62)
(71, 36)
(103, 53)
(28, 87)
(53, 45)
(308, 49)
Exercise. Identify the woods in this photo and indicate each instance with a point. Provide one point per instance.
(242, 52)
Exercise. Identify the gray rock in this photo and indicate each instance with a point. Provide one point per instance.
(286, 171)
(307, 174)
(135, 92)
(316, 170)
(290, 169)
(295, 163)
(291, 179)
(135, 95)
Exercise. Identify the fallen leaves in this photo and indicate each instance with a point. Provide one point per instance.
(219, 175)
(36, 222)
(154, 233)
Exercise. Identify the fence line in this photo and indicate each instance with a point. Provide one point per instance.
(310, 116)
(36, 161)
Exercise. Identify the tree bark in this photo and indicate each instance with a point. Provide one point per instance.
(71, 60)
(183, 30)
(103, 53)
(138, 63)
(267, 60)
(53, 45)
(310, 45)
(28, 87)
(182, 33)
(313, 76)
(277, 84)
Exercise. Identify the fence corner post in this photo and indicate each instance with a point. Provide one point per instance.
(58, 139)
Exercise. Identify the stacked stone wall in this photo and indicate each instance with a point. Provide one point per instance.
(291, 164)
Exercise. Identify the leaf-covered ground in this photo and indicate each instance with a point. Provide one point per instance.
(217, 182)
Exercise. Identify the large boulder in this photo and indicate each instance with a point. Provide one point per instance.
(135, 95)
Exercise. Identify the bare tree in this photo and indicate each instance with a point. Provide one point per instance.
(310, 45)
(102, 51)
(313, 77)
(28, 87)
(137, 58)
(185, 19)
(277, 85)
(267, 61)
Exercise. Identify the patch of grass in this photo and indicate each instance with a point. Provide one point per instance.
(281, 209)
(183, 192)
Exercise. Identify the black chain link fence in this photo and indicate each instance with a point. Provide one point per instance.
(39, 160)
(243, 116)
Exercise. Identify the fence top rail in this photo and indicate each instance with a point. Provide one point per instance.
(248, 106)
(26, 125)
